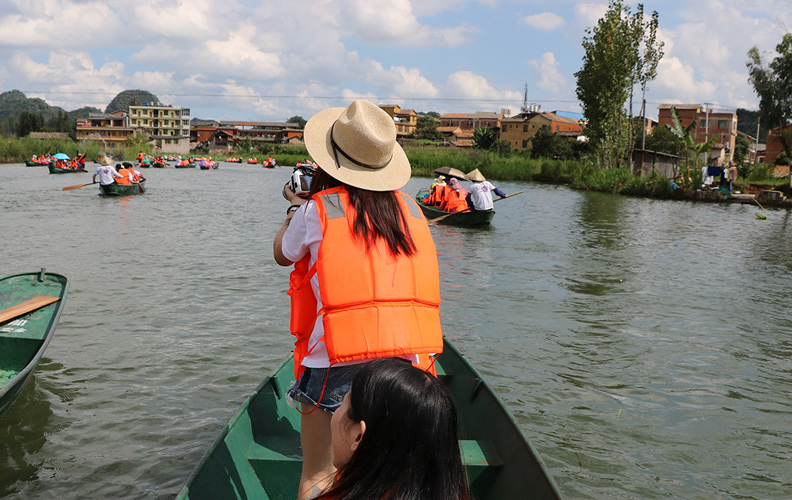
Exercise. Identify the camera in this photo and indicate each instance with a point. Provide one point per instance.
(300, 180)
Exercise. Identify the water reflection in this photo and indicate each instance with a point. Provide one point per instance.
(23, 433)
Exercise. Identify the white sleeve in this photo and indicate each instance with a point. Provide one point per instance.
(303, 233)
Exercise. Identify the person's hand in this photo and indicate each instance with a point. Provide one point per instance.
(290, 195)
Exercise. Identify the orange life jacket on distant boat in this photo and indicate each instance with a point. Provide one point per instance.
(390, 308)
(453, 201)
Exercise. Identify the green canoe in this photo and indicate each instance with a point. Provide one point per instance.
(258, 453)
(467, 218)
(122, 189)
(29, 313)
(58, 170)
(31, 163)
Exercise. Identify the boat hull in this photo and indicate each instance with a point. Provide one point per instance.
(258, 453)
(463, 219)
(122, 189)
(58, 170)
(23, 339)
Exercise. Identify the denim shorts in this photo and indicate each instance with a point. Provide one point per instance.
(331, 384)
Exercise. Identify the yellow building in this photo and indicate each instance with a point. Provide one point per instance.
(520, 130)
(405, 119)
(167, 126)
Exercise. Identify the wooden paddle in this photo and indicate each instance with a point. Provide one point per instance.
(78, 186)
(26, 307)
(469, 209)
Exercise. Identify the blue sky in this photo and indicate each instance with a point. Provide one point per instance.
(270, 60)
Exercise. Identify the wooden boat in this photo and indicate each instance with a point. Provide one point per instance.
(258, 453)
(467, 218)
(122, 189)
(30, 305)
(31, 163)
(59, 170)
(159, 164)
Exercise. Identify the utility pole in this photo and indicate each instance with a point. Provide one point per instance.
(706, 129)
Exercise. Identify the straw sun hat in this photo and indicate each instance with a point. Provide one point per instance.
(357, 146)
(476, 176)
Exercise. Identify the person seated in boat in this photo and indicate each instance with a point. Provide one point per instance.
(140, 157)
(454, 199)
(107, 175)
(436, 192)
(480, 195)
(396, 435)
(129, 174)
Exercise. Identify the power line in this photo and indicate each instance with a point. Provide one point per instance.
(448, 99)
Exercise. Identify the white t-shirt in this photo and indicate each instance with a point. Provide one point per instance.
(481, 195)
(303, 237)
(107, 174)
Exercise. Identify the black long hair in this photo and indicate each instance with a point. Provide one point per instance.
(410, 449)
(377, 214)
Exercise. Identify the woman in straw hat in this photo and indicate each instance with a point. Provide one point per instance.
(365, 283)
(481, 191)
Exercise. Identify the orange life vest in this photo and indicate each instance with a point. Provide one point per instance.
(453, 201)
(125, 176)
(374, 304)
(437, 194)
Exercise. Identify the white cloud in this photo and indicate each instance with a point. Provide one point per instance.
(467, 85)
(404, 82)
(549, 76)
(546, 21)
(678, 83)
(394, 23)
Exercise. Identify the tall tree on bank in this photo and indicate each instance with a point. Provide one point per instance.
(620, 52)
(773, 84)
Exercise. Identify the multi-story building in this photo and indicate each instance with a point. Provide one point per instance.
(520, 130)
(110, 129)
(167, 126)
(471, 121)
(711, 122)
(226, 135)
(405, 119)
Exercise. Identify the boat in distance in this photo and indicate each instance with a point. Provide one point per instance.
(30, 306)
(465, 218)
(258, 454)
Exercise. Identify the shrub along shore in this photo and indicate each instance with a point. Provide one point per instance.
(577, 174)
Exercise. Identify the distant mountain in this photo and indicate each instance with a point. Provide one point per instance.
(134, 97)
(14, 102)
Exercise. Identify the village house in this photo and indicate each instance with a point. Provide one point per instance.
(226, 135)
(405, 119)
(519, 130)
(774, 146)
(111, 129)
(471, 121)
(717, 122)
(168, 127)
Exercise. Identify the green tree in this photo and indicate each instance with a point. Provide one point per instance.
(299, 120)
(741, 148)
(663, 140)
(620, 52)
(426, 128)
(29, 122)
(483, 138)
(546, 144)
(773, 84)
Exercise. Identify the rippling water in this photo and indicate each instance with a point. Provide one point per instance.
(643, 346)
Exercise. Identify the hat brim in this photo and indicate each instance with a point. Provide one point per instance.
(391, 177)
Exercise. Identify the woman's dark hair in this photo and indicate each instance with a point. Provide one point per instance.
(410, 449)
(377, 214)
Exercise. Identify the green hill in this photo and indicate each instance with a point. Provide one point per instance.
(127, 97)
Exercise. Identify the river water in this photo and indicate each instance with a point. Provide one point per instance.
(643, 346)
